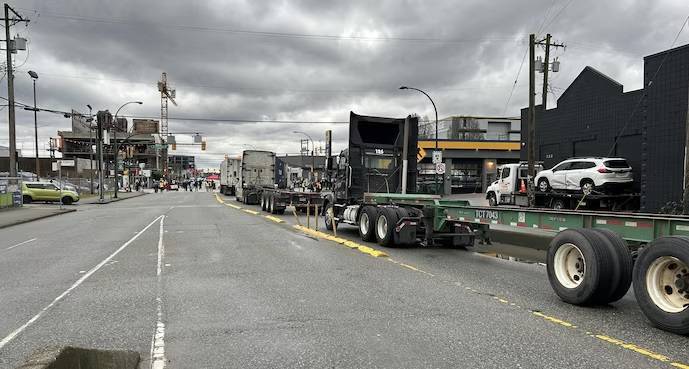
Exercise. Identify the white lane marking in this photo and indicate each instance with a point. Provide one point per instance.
(21, 243)
(296, 245)
(76, 284)
(161, 247)
(158, 340)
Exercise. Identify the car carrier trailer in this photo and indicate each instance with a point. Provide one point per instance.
(276, 200)
(592, 259)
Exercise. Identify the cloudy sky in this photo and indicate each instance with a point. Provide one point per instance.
(313, 60)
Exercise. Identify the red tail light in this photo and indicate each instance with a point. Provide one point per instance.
(604, 170)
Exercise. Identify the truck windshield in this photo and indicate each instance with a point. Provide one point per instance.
(376, 162)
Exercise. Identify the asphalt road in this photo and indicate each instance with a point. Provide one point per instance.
(212, 286)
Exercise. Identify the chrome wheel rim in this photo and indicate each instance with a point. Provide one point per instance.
(382, 226)
(543, 186)
(363, 223)
(569, 265)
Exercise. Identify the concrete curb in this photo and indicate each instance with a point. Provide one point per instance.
(64, 211)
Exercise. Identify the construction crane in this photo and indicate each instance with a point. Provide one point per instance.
(166, 93)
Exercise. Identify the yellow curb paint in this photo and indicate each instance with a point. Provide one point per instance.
(351, 244)
(680, 365)
(553, 319)
(234, 206)
(250, 211)
(274, 219)
(635, 348)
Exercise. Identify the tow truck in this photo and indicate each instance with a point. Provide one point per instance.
(592, 258)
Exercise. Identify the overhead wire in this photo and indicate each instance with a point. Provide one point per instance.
(650, 82)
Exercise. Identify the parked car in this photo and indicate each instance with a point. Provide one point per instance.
(46, 191)
(587, 174)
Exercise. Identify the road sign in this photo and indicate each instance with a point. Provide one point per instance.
(420, 154)
(146, 173)
(437, 157)
(440, 168)
(66, 162)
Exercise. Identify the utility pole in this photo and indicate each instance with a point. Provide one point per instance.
(90, 122)
(530, 151)
(544, 98)
(685, 199)
(10, 87)
(544, 68)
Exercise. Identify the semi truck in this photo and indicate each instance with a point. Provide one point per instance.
(510, 189)
(256, 171)
(592, 259)
(229, 176)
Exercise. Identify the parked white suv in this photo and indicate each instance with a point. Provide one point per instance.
(587, 174)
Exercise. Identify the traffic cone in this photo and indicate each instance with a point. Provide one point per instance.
(522, 186)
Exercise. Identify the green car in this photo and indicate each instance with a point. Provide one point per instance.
(46, 191)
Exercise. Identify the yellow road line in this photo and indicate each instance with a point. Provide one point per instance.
(234, 206)
(254, 212)
(635, 348)
(553, 319)
(274, 219)
(680, 365)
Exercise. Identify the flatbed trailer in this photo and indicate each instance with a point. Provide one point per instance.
(592, 259)
(276, 200)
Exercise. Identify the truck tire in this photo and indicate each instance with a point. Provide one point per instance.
(385, 226)
(271, 203)
(367, 221)
(580, 266)
(492, 199)
(328, 217)
(559, 204)
(623, 259)
(263, 202)
(661, 283)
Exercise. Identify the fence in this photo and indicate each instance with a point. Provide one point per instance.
(82, 186)
(10, 192)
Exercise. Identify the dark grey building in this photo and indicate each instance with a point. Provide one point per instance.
(594, 117)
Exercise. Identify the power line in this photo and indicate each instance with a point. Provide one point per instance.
(650, 82)
(197, 28)
(275, 89)
(558, 14)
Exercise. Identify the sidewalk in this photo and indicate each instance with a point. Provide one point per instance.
(108, 199)
(14, 216)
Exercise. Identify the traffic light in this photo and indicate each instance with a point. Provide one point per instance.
(203, 145)
(174, 146)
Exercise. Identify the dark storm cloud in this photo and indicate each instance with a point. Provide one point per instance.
(106, 52)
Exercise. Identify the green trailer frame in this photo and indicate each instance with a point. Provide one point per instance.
(633, 227)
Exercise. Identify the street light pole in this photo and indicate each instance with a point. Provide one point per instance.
(34, 77)
(91, 144)
(436, 128)
(116, 146)
(313, 157)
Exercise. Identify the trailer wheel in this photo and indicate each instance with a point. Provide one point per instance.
(385, 226)
(661, 283)
(263, 202)
(367, 223)
(622, 259)
(579, 266)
